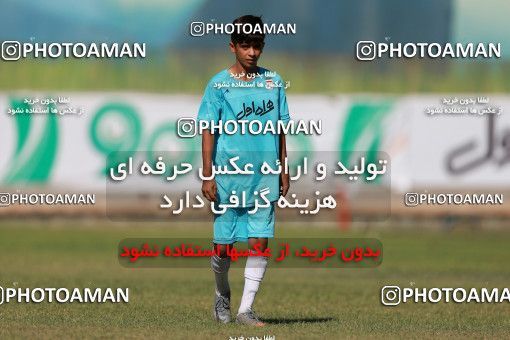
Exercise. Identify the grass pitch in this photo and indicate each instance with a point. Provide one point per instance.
(296, 303)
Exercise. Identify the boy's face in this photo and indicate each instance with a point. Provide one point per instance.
(247, 53)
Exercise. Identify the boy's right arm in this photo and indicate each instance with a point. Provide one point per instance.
(208, 186)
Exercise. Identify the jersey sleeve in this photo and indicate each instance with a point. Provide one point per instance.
(210, 107)
(283, 115)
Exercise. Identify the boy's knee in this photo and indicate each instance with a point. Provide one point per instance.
(260, 242)
(222, 249)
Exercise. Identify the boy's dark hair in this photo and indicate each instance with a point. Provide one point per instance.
(238, 37)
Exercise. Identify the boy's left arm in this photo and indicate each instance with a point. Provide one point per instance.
(283, 116)
(284, 177)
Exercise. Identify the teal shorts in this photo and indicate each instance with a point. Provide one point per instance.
(236, 225)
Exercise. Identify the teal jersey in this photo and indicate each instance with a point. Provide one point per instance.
(227, 98)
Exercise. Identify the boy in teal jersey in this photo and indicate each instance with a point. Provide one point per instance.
(248, 95)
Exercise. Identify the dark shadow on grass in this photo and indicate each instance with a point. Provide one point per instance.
(305, 320)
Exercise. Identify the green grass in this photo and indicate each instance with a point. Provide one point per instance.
(297, 303)
(188, 72)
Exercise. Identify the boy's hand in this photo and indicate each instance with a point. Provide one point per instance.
(209, 189)
(284, 184)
